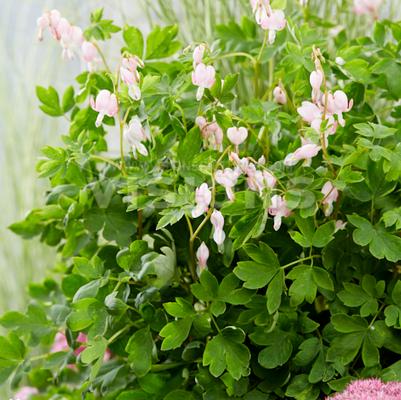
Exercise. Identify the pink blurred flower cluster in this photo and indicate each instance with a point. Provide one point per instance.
(370, 389)
(60, 344)
(269, 19)
(69, 36)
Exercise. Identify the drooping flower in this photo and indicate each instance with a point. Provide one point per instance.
(310, 112)
(228, 179)
(202, 255)
(278, 209)
(204, 77)
(69, 36)
(217, 221)
(368, 7)
(105, 104)
(274, 21)
(279, 95)
(130, 76)
(60, 343)
(25, 393)
(340, 61)
(71, 39)
(267, 18)
(201, 122)
(340, 225)
(203, 197)
(237, 135)
(89, 54)
(330, 193)
(259, 9)
(370, 389)
(82, 340)
(316, 80)
(211, 132)
(50, 20)
(259, 180)
(338, 104)
(198, 54)
(306, 152)
(135, 134)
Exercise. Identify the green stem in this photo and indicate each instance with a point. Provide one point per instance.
(271, 76)
(184, 121)
(215, 323)
(377, 314)
(123, 167)
(192, 261)
(105, 160)
(167, 366)
(119, 333)
(237, 54)
(257, 65)
(300, 260)
(372, 210)
(262, 47)
(40, 357)
(102, 56)
(140, 224)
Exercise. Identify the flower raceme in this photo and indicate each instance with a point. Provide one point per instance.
(105, 104)
(69, 36)
(49, 20)
(217, 221)
(204, 77)
(324, 106)
(370, 389)
(135, 134)
(203, 197)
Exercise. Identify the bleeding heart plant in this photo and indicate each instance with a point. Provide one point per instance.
(246, 241)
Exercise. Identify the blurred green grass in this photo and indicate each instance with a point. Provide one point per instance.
(24, 129)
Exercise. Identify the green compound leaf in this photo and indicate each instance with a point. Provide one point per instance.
(226, 351)
(140, 348)
(381, 243)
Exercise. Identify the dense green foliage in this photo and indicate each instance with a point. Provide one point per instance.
(292, 313)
